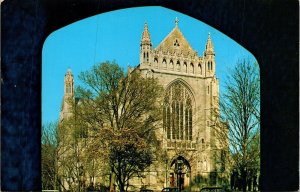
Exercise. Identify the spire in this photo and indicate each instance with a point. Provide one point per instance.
(146, 35)
(146, 46)
(209, 49)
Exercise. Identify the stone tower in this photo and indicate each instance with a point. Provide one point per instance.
(65, 111)
(146, 47)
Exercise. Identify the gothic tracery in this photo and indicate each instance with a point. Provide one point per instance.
(178, 112)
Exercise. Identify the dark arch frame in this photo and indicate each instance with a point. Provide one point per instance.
(181, 157)
(263, 27)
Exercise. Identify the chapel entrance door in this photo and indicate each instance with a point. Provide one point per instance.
(181, 173)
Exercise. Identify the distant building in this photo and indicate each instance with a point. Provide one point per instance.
(191, 95)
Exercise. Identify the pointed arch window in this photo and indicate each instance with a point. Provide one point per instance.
(178, 65)
(192, 70)
(164, 62)
(185, 67)
(209, 65)
(171, 64)
(178, 112)
(147, 56)
(199, 69)
(155, 62)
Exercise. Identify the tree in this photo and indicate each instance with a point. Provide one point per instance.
(48, 156)
(239, 107)
(70, 155)
(58, 158)
(129, 154)
(121, 112)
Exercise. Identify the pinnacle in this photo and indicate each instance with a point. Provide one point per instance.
(146, 35)
(209, 45)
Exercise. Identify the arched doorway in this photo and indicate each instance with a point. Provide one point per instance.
(180, 174)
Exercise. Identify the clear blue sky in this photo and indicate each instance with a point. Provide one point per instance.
(116, 36)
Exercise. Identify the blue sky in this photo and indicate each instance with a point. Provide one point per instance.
(116, 36)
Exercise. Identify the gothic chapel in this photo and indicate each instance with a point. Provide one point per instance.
(191, 94)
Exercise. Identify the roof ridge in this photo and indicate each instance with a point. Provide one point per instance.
(165, 37)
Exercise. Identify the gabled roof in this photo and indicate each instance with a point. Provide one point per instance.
(175, 41)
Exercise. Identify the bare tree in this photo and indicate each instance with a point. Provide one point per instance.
(240, 114)
(124, 104)
(72, 155)
(48, 161)
(58, 159)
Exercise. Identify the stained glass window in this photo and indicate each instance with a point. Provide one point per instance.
(178, 112)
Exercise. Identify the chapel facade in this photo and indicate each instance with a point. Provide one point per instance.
(192, 150)
(190, 99)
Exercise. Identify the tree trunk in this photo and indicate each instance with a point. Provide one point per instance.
(244, 177)
(112, 182)
(122, 187)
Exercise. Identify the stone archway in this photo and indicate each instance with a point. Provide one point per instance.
(180, 175)
(47, 16)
